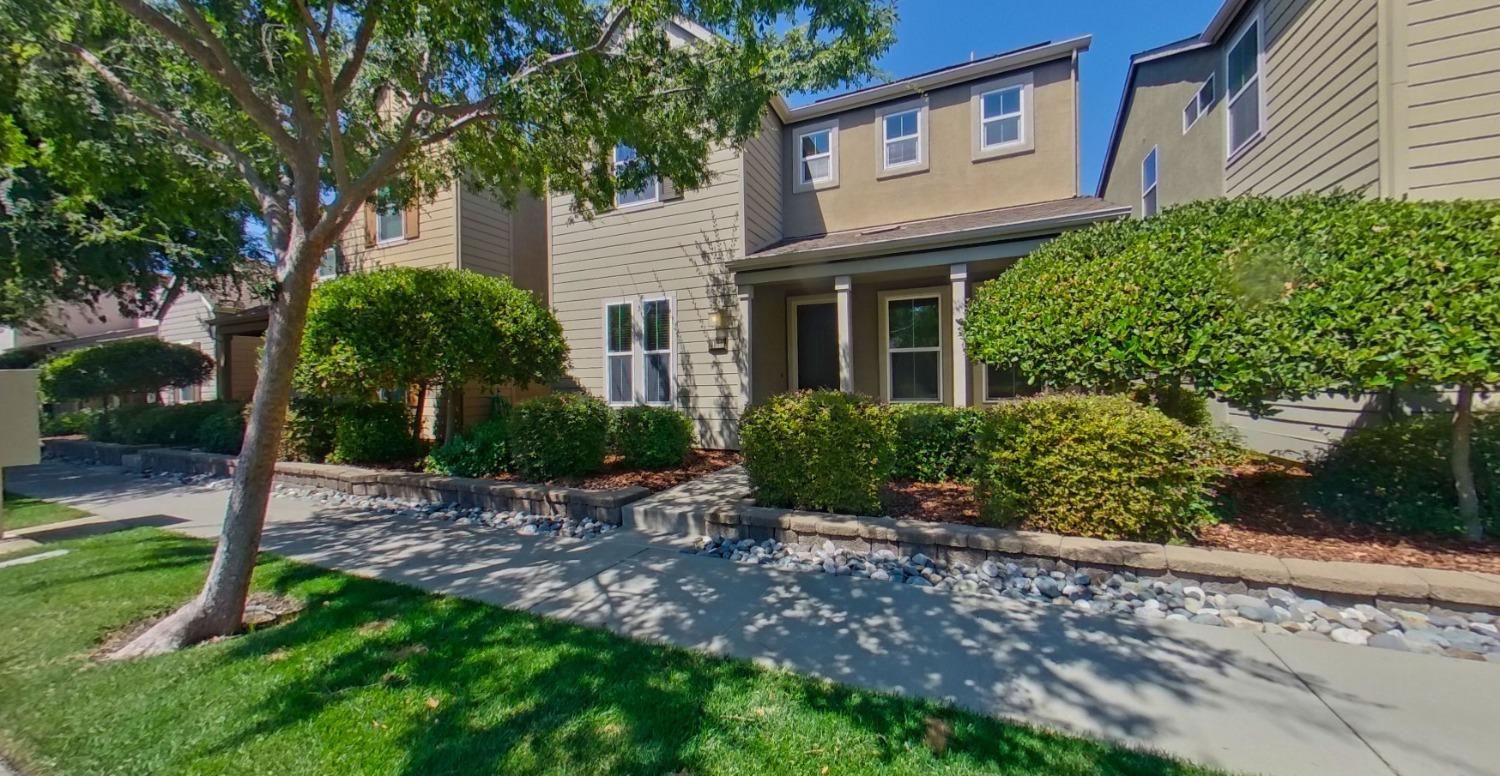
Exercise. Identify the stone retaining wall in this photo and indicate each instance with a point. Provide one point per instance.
(601, 505)
(972, 545)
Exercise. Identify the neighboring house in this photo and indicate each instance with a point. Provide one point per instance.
(1390, 98)
(72, 326)
(835, 250)
(189, 321)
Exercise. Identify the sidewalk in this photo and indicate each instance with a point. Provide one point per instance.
(1224, 697)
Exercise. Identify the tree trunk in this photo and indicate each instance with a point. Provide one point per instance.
(453, 399)
(220, 605)
(416, 420)
(1463, 470)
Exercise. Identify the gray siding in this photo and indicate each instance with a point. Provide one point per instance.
(678, 248)
(763, 166)
(186, 323)
(485, 230)
(1453, 98)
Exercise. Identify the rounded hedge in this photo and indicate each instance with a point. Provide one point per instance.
(122, 368)
(822, 450)
(652, 437)
(559, 435)
(222, 431)
(480, 451)
(935, 443)
(1397, 475)
(1097, 466)
(310, 425)
(373, 432)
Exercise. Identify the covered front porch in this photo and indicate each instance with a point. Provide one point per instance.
(882, 316)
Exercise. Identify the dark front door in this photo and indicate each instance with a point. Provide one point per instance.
(817, 346)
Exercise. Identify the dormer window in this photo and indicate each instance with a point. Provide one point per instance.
(648, 193)
(815, 152)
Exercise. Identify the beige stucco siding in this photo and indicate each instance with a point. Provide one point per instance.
(1190, 165)
(484, 234)
(677, 248)
(763, 162)
(1321, 101)
(1453, 98)
(953, 181)
(434, 245)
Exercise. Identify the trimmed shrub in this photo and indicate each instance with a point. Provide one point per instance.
(935, 443)
(1398, 476)
(310, 425)
(652, 437)
(124, 367)
(482, 450)
(223, 431)
(1097, 466)
(372, 432)
(559, 435)
(68, 423)
(109, 425)
(823, 450)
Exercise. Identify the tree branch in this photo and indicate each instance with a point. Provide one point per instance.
(323, 71)
(356, 60)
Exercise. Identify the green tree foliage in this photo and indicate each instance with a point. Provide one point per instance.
(823, 450)
(120, 368)
(426, 327)
(1257, 299)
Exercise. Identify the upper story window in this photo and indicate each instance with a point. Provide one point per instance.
(390, 219)
(1199, 104)
(903, 134)
(815, 152)
(649, 192)
(1243, 65)
(1148, 184)
(1001, 119)
(1002, 116)
(328, 267)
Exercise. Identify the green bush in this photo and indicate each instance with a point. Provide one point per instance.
(652, 437)
(1397, 475)
(120, 368)
(169, 425)
(823, 450)
(935, 443)
(1098, 466)
(559, 435)
(108, 425)
(310, 425)
(373, 432)
(482, 450)
(223, 431)
(68, 423)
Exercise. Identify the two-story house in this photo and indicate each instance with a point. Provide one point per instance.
(836, 250)
(1391, 98)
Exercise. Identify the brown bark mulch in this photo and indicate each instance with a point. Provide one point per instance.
(616, 475)
(1269, 518)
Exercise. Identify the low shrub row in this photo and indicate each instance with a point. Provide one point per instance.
(1102, 466)
(67, 423)
(216, 426)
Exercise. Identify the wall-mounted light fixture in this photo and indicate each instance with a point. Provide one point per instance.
(718, 335)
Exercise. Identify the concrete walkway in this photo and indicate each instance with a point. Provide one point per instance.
(1224, 697)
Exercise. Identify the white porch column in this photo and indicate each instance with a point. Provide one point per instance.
(842, 286)
(743, 357)
(958, 279)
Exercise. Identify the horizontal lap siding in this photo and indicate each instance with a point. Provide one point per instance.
(486, 234)
(435, 245)
(1322, 101)
(1453, 78)
(681, 248)
(763, 165)
(186, 322)
(1302, 429)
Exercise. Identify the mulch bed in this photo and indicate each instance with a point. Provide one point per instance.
(615, 475)
(1269, 518)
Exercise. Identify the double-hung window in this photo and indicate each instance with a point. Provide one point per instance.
(903, 138)
(815, 157)
(1000, 117)
(649, 192)
(1006, 382)
(638, 338)
(1198, 104)
(914, 347)
(1242, 70)
(328, 267)
(1148, 184)
(390, 219)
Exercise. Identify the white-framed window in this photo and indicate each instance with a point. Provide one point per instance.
(390, 219)
(1006, 382)
(1244, 63)
(619, 353)
(1001, 118)
(1148, 184)
(328, 266)
(639, 335)
(913, 343)
(903, 138)
(648, 193)
(187, 394)
(1198, 104)
(815, 152)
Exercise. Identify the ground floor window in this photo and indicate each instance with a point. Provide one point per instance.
(187, 393)
(638, 355)
(1006, 382)
(914, 347)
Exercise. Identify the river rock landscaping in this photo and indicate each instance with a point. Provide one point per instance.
(1273, 611)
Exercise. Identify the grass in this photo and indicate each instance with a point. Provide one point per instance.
(23, 512)
(374, 678)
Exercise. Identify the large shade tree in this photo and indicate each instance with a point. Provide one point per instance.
(315, 108)
(1256, 299)
(93, 206)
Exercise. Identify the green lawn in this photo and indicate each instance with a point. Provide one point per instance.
(374, 678)
(23, 512)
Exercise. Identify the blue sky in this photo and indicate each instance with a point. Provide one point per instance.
(935, 33)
